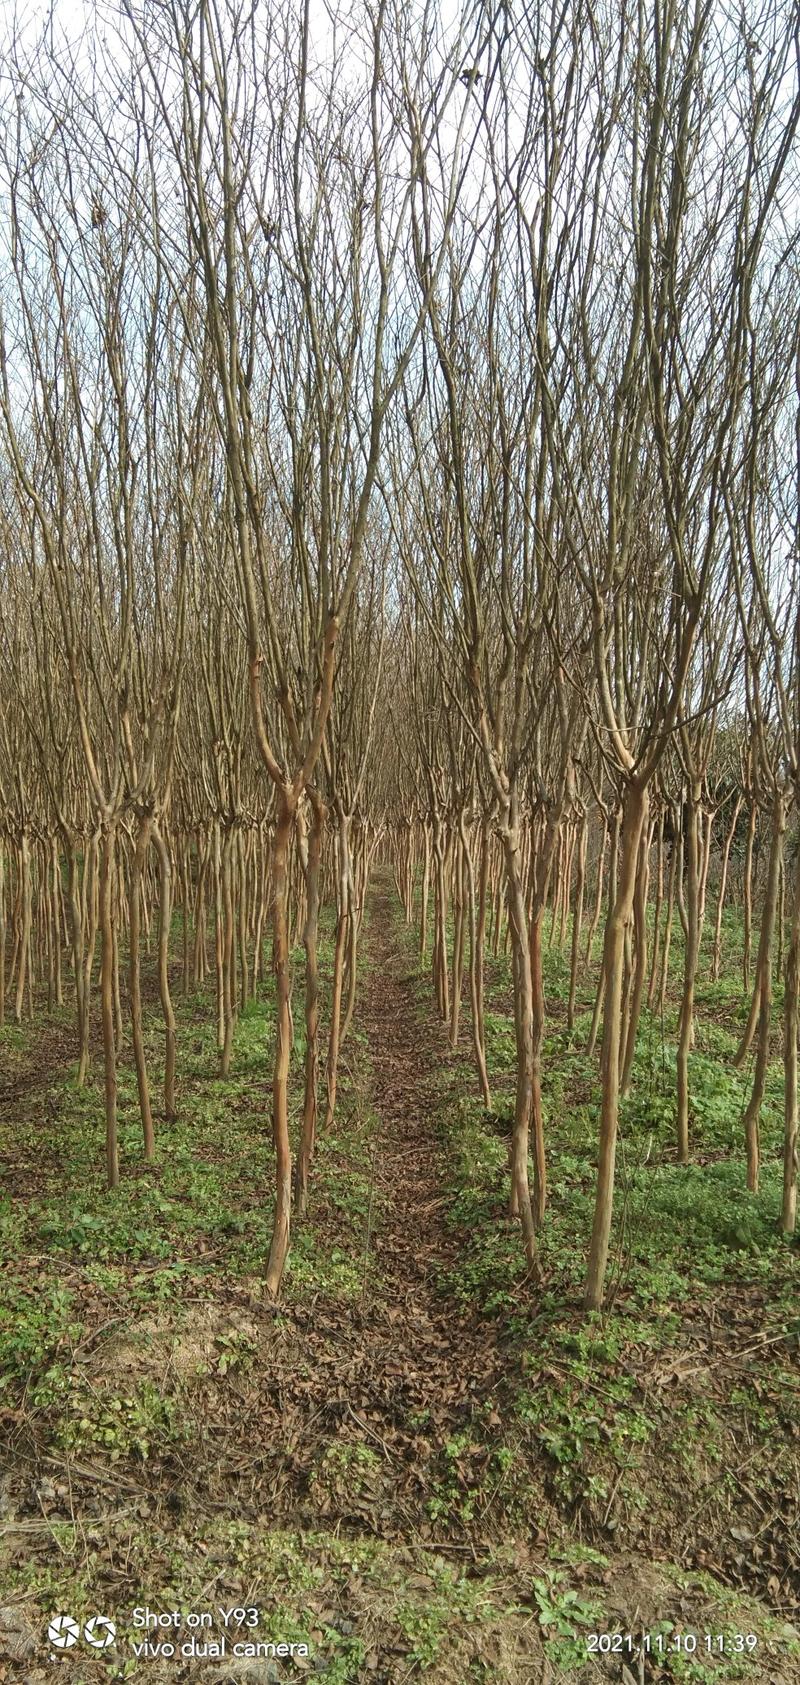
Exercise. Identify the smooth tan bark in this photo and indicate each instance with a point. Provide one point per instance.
(747, 893)
(2, 933)
(675, 858)
(458, 944)
(764, 990)
(475, 963)
(577, 920)
(537, 1035)
(228, 964)
(219, 943)
(107, 1002)
(640, 963)
(279, 1246)
(343, 915)
(598, 892)
(23, 968)
(90, 889)
(523, 1027)
(141, 845)
(691, 952)
(791, 1029)
(425, 890)
(634, 818)
(311, 946)
(613, 867)
(723, 884)
(167, 1010)
(244, 966)
(659, 902)
(441, 981)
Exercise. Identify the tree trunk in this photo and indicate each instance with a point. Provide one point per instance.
(440, 970)
(577, 921)
(107, 1003)
(723, 884)
(612, 891)
(141, 845)
(219, 945)
(2, 934)
(523, 1025)
(58, 907)
(791, 1027)
(244, 969)
(458, 940)
(164, 923)
(651, 987)
(343, 900)
(75, 934)
(25, 928)
(640, 967)
(283, 1031)
(228, 971)
(691, 950)
(310, 943)
(537, 1035)
(748, 897)
(764, 989)
(91, 901)
(475, 966)
(634, 817)
(675, 859)
(598, 891)
(426, 878)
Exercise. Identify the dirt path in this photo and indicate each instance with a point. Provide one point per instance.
(404, 1370)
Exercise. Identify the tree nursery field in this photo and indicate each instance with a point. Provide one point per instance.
(399, 844)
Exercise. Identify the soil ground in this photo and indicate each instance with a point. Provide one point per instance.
(368, 1464)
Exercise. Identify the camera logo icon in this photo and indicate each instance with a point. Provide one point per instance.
(63, 1632)
(100, 1632)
